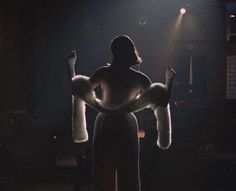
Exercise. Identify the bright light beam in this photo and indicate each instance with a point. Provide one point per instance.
(173, 36)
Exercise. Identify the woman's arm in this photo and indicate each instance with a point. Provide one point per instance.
(71, 60)
(97, 77)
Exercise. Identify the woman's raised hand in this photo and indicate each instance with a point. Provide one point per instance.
(71, 59)
(170, 74)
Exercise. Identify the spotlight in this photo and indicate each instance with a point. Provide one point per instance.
(142, 21)
(182, 11)
(232, 16)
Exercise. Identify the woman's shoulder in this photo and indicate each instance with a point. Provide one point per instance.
(104, 68)
(139, 74)
(99, 74)
(142, 78)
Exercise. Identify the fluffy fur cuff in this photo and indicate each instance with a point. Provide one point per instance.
(82, 88)
(163, 126)
(83, 92)
(79, 129)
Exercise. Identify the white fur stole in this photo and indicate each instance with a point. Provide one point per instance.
(83, 92)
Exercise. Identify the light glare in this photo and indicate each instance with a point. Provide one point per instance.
(182, 10)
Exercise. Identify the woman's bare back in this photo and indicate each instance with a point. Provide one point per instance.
(119, 85)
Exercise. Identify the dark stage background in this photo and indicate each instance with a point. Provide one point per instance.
(36, 147)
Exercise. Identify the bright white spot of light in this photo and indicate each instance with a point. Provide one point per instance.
(232, 16)
(142, 21)
(182, 10)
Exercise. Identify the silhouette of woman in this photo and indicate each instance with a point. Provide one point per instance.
(115, 140)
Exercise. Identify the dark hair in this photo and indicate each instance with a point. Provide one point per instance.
(124, 51)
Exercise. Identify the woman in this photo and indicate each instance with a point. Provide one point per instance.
(115, 140)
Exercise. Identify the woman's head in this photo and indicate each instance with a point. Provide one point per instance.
(124, 51)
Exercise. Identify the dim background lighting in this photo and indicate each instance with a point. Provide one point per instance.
(183, 11)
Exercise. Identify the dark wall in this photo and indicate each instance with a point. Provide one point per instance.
(37, 35)
(9, 56)
(46, 31)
